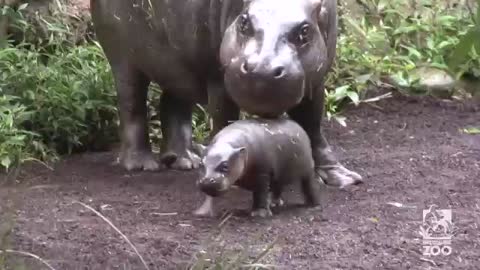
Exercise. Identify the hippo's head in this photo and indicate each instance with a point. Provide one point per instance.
(270, 52)
(223, 165)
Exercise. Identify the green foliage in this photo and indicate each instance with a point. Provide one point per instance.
(390, 39)
(17, 143)
(68, 96)
(56, 98)
(465, 58)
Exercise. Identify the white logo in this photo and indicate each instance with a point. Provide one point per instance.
(437, 231)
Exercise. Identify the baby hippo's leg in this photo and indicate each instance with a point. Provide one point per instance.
(206, 209)
(261, 198)
(311, 190)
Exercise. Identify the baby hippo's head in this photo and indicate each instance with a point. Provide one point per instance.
(223, 166)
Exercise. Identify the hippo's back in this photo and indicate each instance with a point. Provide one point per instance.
(172, 42)
(280, 143)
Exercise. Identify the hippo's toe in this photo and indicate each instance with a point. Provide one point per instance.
(186, 161)
(261, 212)
(139, 161)
(338, 175)
(278, 202)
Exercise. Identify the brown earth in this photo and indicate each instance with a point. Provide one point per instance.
(409, 150)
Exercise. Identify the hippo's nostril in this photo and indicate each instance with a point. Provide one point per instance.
(279, 72)
(244, 67)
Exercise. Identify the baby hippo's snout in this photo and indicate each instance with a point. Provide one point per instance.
(212, 186)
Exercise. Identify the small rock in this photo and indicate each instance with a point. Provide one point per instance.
(438, 82)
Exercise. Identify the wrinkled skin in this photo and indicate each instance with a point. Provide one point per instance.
(266, 57)
(262, 156)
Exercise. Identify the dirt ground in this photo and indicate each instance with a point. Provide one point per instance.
(409, 150)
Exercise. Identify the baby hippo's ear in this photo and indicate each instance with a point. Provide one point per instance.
(317, 4)
(239, 153)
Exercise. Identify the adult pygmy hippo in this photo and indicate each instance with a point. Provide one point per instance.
(260, 155)
(266, 57)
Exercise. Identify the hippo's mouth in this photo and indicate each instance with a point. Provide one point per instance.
(263, 97)
(212, 191)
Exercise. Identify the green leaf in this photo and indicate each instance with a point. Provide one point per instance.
(460, 53)
(354, 97)
(22, 6)
(478, 14)
(363, 78)
(6, 162)
(472, 130)
(341, 120)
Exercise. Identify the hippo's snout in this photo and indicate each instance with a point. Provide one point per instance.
(272, 72)
(212, 186)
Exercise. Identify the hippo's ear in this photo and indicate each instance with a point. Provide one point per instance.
(317, 4)
(239, 152)
(321, 14)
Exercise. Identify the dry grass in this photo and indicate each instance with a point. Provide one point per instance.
(28, 254)
(117, 230)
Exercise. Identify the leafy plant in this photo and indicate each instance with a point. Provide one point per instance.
(391, 40)
(17, 144)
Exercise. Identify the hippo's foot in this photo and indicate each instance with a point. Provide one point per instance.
(261, 212)
(206, 209)
(338, 175)
(141, 160)
(187, 161)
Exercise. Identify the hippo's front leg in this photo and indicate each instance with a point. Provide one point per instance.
(176, 118)
(309, 114)
(221, 108)
(132, 86)
(261, 197)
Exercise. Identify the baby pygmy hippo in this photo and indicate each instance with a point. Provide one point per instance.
(262, 156)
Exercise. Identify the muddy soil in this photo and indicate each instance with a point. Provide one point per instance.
(409, 150)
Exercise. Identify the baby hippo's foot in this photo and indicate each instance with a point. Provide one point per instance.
(138, 160)
(186, 161)
(261, 212)
(206, 209)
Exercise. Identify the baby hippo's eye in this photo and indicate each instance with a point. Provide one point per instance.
(223, 167)
(303, 34)
(244, 25)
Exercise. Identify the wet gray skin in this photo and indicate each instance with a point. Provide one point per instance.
(266, 57)
(260, 155)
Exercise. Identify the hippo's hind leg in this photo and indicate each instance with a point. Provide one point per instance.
(132, 87)
(176, 118)
(309, 115)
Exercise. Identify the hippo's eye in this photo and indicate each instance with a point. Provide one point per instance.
(223, 167)
(244, 26)
(303, 34)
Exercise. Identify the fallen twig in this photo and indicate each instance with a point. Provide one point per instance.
(157, 214)
(377, 98)
(428, 260)
(117, 230)
(28, 254)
